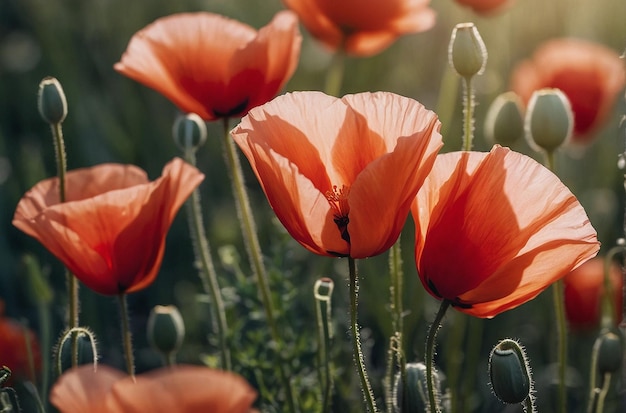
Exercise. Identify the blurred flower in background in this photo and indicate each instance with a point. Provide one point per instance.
(211, 65)
(487, 246)
(362, 28)
(485, 7)
(19, 349)
(591, 75)
(111, 231)
(181, 389)
(584, 288)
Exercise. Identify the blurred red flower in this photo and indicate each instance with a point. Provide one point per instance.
(590, 74)
(362, 28)
(211, 65)
(181, 389)
(16, 341)
(584, 288)
(341, 174)
(485, 7)
(111, 231)
(493, 230)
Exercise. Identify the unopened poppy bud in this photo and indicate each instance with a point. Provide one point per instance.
(504, 123)
(509, 372)
(51, 101)
(609, 348)
(467, 53)
(414, 396)
(549, 119)
(86, 347)
(189, 132)
(166, 329)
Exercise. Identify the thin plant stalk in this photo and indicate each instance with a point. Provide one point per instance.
(468, 113)
(366, 387)
(335, 73)
(208, 276)
(433, 392)
(253, 249)
(397, 324)
(323, 318)
(127, 339)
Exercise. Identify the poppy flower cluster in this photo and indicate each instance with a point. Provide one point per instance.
(181, 389)
(341, 178)
(110, 232)
(211, 65)
(362, 28)
(591, 76)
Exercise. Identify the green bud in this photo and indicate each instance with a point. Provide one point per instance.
(51, 101)
(509, 372)
(189, 132)
(87, 352)
(414, 396)
(504, 123)
(467, 53)
(609, 348)
(166, 329)
(549, 119)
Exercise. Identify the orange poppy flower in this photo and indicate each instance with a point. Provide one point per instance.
(583, 291)
(485, 7)
(111, 231)
(590, 74)
(493, 230)
(362, 28)
(211, 65)
(341, 174)
(15, 341)
(181, 389)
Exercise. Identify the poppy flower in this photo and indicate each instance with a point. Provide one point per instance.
(211, 65)
(181, 389)
(493, 230)
(584, 288)
(17, 345)
(111, 231)
(485, 7)
(341, 174)
(362, 28)
(590, 74)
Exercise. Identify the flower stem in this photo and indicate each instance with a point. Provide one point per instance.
(322, 292)
(397, 325)
(334, 75)
(207, 274)
(366, 387)
(433, 393)
(468, 112)
(127, 340)
(253, 249)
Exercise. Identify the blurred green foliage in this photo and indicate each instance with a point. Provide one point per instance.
(113, 119)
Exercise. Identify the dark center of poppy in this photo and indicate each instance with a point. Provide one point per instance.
(338, 200)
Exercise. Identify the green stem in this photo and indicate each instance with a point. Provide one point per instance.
(397, 322)
(366, 387)
(253, 249)
(603, 392)
(433, 393)
(127, 340)
(324, 335)
(468, 114)
(207, 274)
(559, 311)
(334, 75)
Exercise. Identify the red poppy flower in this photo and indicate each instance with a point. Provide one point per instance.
(341, 174)
(362, 28)
(211, 65)
(584, 288)
(591, 75)
(495, 229)
(485, 7)
(17, 345)
(111, 231)
(181, 389)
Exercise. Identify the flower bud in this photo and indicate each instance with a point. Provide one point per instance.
(467, 53)
(549, 119)
(166, 329)
(87, 352)
(189, 132)
(51, 101)
(414, 396)
(509, 372)
(504, 123)
(609, 350)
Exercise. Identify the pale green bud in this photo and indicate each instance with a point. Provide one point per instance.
(467, 53)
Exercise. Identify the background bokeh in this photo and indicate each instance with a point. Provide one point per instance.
(114, 119)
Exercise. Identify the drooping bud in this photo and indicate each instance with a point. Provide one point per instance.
(413, 397)
(467, 53)
(86, 347)
(504, 123)
(549, 120)
(51, 101)
(609, 352)
(509, 372)
(189, 132)
(166, 330)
